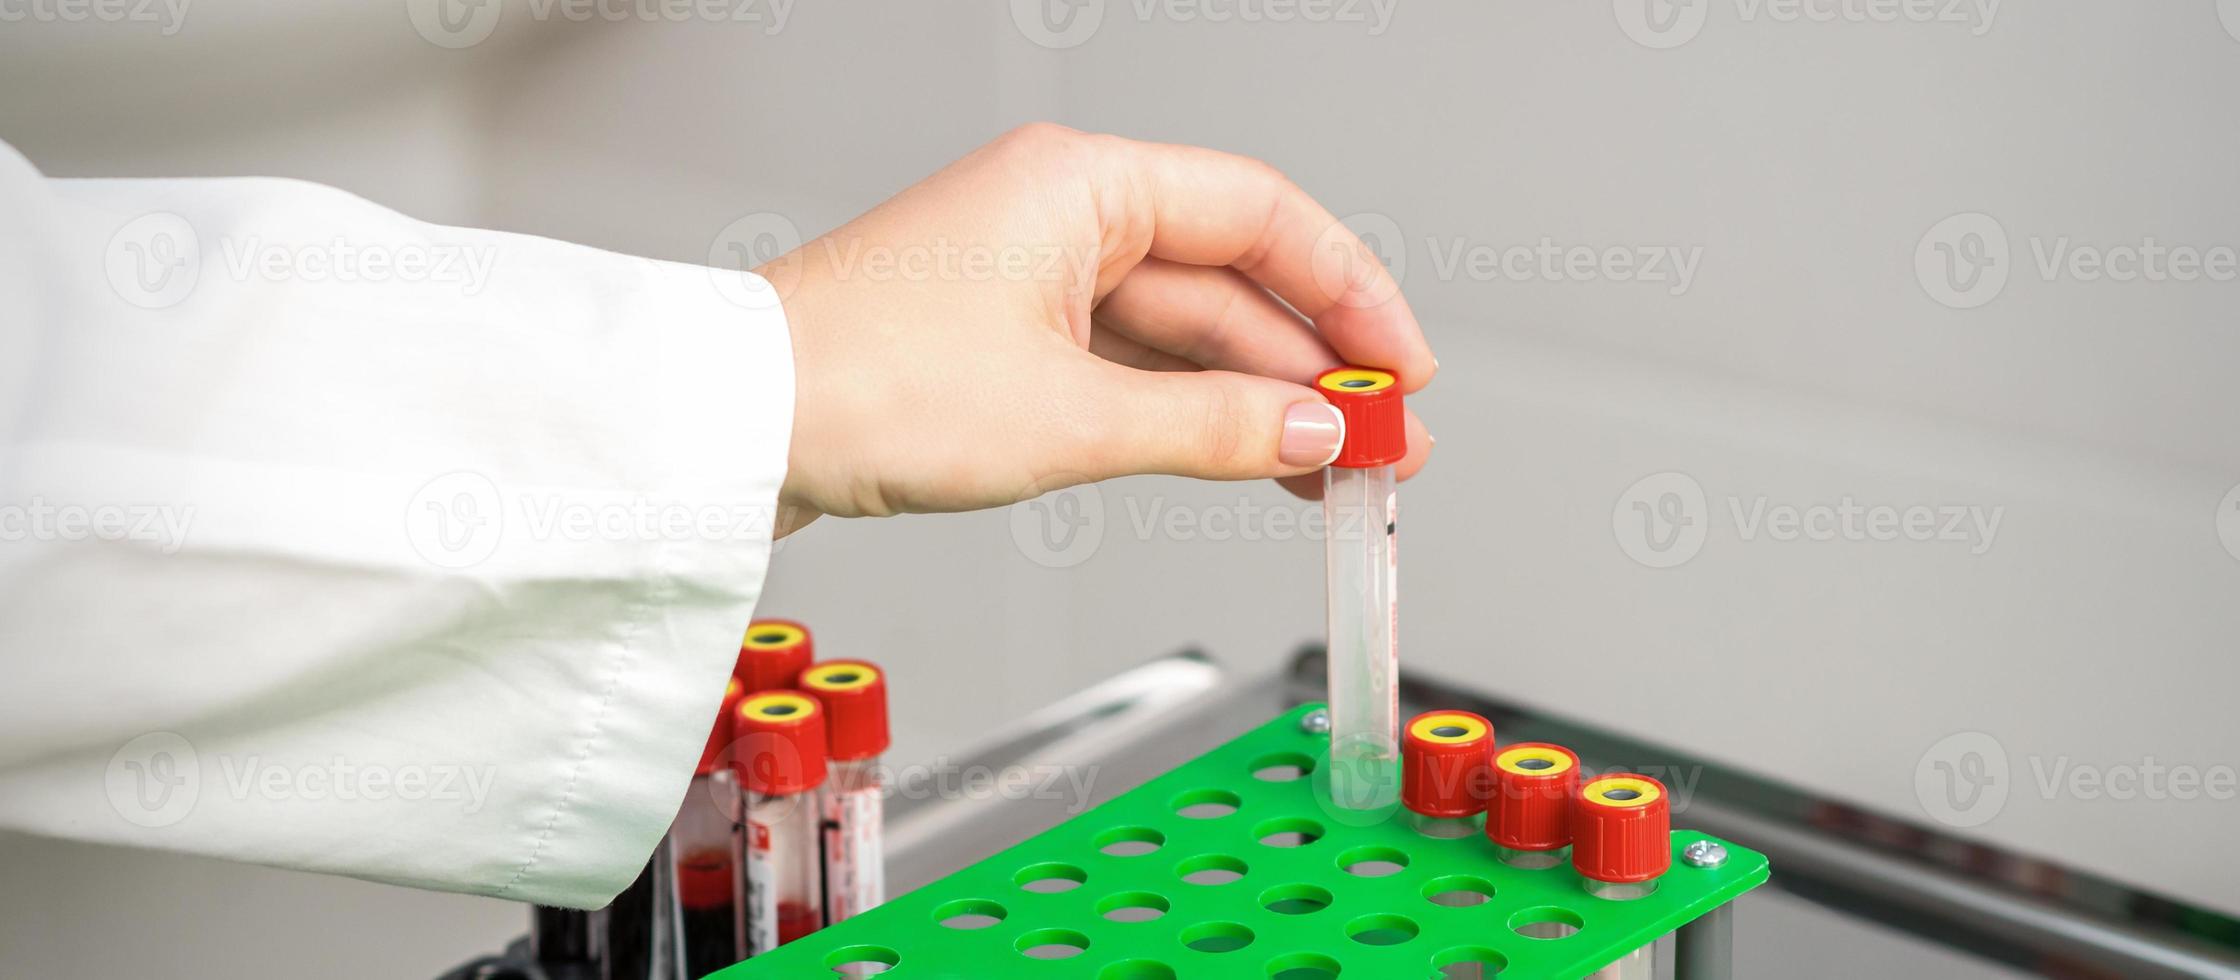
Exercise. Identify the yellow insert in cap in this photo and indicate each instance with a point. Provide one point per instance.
(1513, 760)
(1357, 381)
(1621, 791)
(773, 636)
(840, 677)
(1427, 729)
(778, 706)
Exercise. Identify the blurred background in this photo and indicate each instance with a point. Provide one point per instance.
(1819, 382)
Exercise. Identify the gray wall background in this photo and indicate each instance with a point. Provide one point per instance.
(1806, 164)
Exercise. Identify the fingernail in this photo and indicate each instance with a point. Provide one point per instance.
(1312, 434)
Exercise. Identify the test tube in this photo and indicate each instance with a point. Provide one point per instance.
(559, 937)
(704, 843)
(1360, 512)
(853, 694)
(1528, 815)
(630, 937)
(773, 654)
(780, 760)
(1445, 763)
(1621, 842)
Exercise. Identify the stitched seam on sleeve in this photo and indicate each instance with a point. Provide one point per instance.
(641, 611)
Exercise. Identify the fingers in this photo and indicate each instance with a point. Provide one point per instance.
(1214, 425)
(1309, 486)
(1214, 317)
(1216, 209)
(1116, 346)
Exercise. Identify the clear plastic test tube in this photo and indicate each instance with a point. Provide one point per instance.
(854, 696)
(780, 761)
(1360, 510)
(1621, 830)
(705, 845)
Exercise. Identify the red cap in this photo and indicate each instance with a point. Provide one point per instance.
(1445, 763)
(720, 736)
(854, 695)
(1376, 423)
(1530, 808)
(1621, 829)
(781, 743)
(773, 655)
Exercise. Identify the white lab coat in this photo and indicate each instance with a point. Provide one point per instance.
(334, 540)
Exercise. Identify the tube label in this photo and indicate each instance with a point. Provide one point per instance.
(855, 878)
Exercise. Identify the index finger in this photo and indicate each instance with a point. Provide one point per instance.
(1206, 207)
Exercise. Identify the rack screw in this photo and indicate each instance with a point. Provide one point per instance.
(1316, 722)
(1704, 854)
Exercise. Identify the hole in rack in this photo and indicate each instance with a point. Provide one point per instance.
(1217, 937)
(1207, 804)
(1302, 966)
(1295, 899)
(1051, 878)
(1130, 841)
(1469, 963)
(1373, 862)
(861, 961)
(1288, 832)
(1458, 891)
(1382, 930)
(1137, 970)
(1052, 944)
(1132, 907)
(1210, 869)
(1282, 767)
(970, 913)
(1546, 922)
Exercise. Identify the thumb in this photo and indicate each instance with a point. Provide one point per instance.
(1212, 425)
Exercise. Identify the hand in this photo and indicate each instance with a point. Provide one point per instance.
(1058, 308)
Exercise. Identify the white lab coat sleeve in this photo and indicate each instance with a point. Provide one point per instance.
(339, 541)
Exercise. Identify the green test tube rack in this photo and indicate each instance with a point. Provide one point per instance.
(1235, 865)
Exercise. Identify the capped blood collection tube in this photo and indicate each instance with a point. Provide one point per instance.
(1360, 512)
(705, 844)
(1621, 842)
(1528, 813)
(853, 694)
(773, 655)
(779, 757)
(1446, 759)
